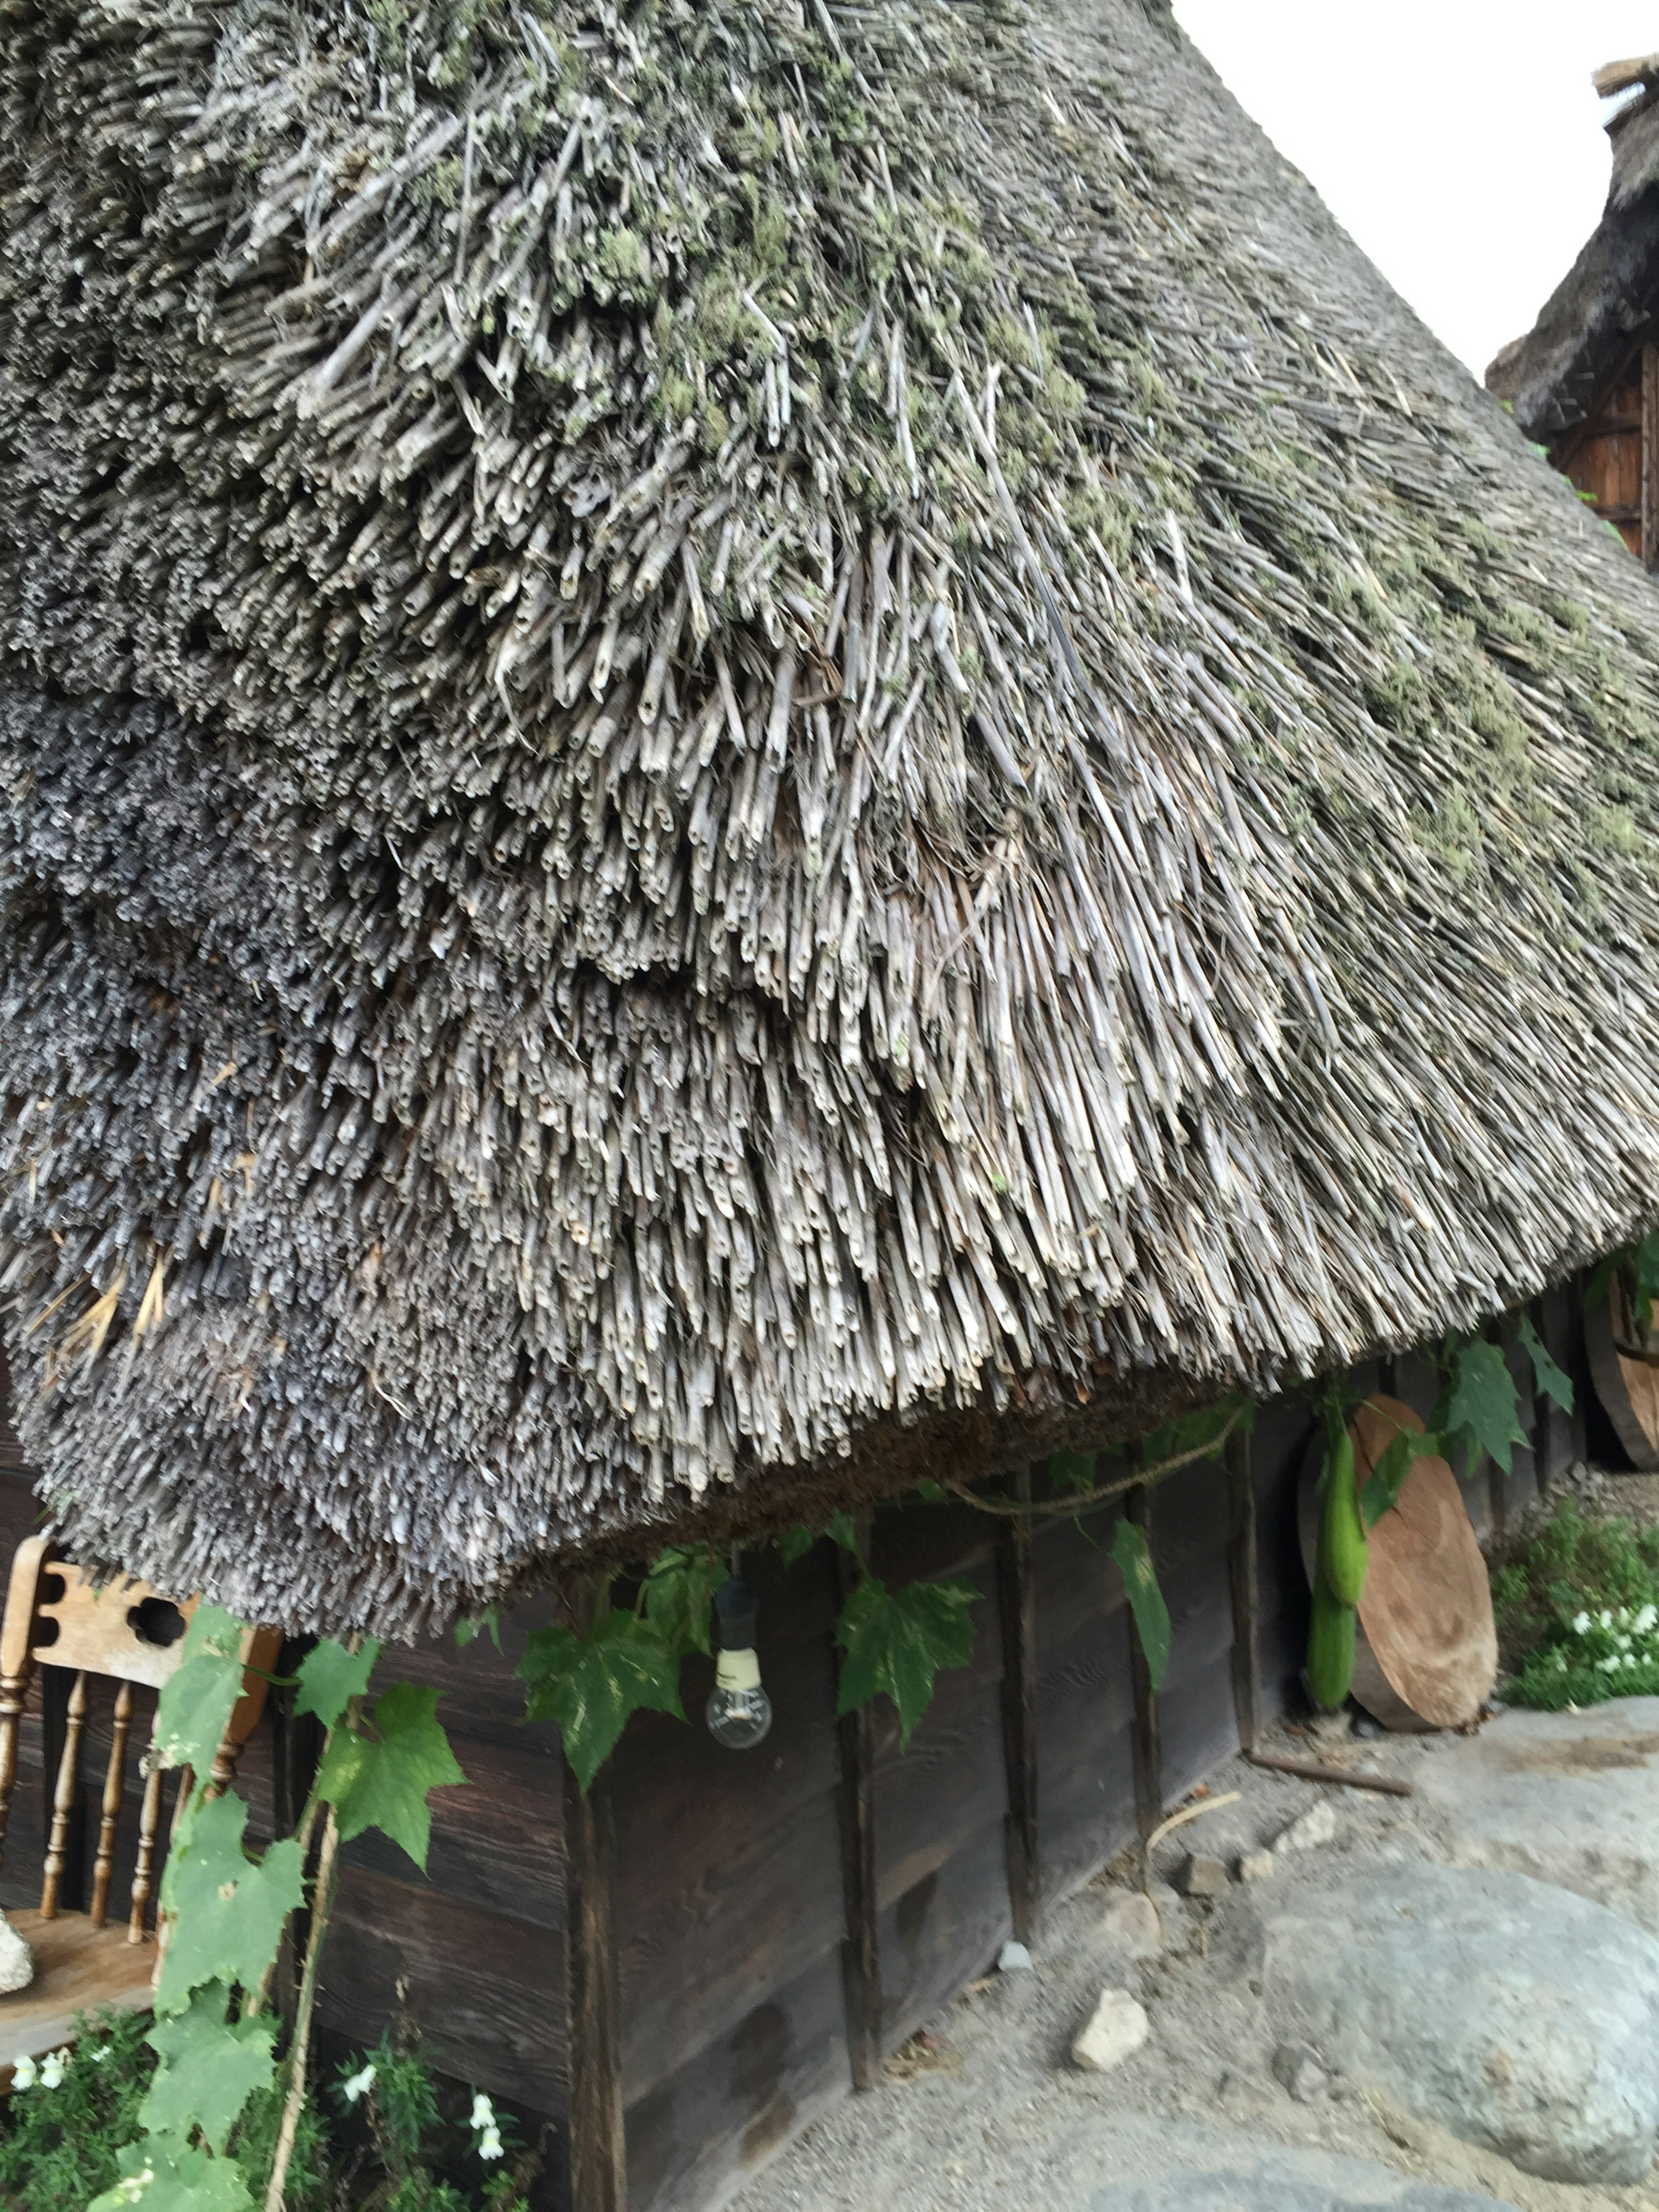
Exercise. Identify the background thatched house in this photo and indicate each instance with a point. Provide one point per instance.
(748, 753)
(1584, 380)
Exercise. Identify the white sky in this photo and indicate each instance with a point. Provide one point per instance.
(1459, 141)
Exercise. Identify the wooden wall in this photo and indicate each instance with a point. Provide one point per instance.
(730, 1904)
(1610, 456)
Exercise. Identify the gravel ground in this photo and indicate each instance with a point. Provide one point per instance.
(985, 2110)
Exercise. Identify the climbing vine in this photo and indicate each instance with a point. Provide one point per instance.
(224, 1907)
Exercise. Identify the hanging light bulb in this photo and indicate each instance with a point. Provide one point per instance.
(738, 1711)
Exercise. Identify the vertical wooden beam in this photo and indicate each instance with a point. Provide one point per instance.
(1242, 1568)
(296, 1749)
(599, 2157)
(57, 1692)
(1650, 455)
(1148, 1749)
(1017, 1607)
(861, 1951)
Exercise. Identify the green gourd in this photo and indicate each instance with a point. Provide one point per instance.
(1344, 1554)
(1330, 1647)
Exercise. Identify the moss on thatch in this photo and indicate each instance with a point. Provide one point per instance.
(743, 742)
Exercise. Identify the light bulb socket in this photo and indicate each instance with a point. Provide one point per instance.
(734, 1609)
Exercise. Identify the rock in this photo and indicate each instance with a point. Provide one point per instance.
(1310, 1830)
(1256, 1866)
(1117, 2026)
(1161, 2166)
(1202, 1877)
(1298, 2069)
(1131, 1920)
(1014, 1959)
(1518, 2015)
(16, 1960)
(1570, 1798)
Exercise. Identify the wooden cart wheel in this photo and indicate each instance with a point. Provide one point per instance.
(1628, 1388)
(1426, 1653)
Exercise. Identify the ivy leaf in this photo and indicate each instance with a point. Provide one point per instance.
(1483, 1401)
(844, 1531)
(167, 2173)
(592, 1686)
(194, 1708)
(895, 1643)
(467, 1632)
(1152, 1616)
(231, 1908)
(680, 1595)
(210, 2066)
(1073, 1470)
(1207, 1425)
(331, 1677)
(1388, 1477)
(1551, 1380)
(795, 1543)
(380, 1779)
(933, 1493)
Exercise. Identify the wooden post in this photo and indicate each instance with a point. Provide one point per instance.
(861, 1951)
(1148, 1751)
(1018, 1608)
(1650, 455)
(599, 2156)
(1243, 1573)
(296, 1749)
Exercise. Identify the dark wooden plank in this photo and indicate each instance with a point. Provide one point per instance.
(1242, 1586)
(945, 1930)
(1149, 1784)
(498, 1843)
(734, 2102)
(1017, 1609)
(489, 1991)
(599, 2149)
(861, 1950)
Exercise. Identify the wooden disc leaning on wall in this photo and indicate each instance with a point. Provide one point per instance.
(1427, 1635)
(1628, 1388)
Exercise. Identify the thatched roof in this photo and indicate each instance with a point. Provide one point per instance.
(1587, 328)
(745, 747)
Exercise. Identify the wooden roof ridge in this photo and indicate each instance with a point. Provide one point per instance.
(747, 751)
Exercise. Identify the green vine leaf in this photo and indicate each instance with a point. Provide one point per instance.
(230, 1908)
(467, 1632)
(795, 1543)
(592, 1685)
(843, 1530)
(1551, 1380)
(1192, 1431)
(167, 2173)
(679, 1595)
(1483, 1403)
(1388, 1478)
(1073, 1470)
(895, 1641)
(331, 1677)
(194, 1708)
(380, 1779)
(1152, 1616)
(210, 2066)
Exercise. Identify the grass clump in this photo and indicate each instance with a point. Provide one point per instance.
(1577, 1612)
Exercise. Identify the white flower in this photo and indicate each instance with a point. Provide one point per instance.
(483, 2112)
(490, 2144)
(24, 2072)
(1580, 1623)
(53, 2066)
(359, 2084)
(1647, 1620)
(133, 2185)
(1630, 1659)
(1605, 1617)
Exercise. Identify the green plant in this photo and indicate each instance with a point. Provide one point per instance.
(70, 2115)
(219, 2089)
(1577, 1611)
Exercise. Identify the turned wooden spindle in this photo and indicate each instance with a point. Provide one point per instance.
(62, 1802)
(14, 1689)
(149, 1827)
(115, 1783)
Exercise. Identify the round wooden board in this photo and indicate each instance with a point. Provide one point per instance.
(1628, 1388)
(1426, 1609)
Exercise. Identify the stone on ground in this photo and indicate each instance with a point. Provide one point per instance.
(1315, 1827)
(1256, 1866)
(1131, 1920)
(1518, 2015)
(16, 1960)
(1117, 2026)
(1201, 1876)
(1570, 1798)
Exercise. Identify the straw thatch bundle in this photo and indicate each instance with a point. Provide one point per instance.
(745, 744)
(1597, 315)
